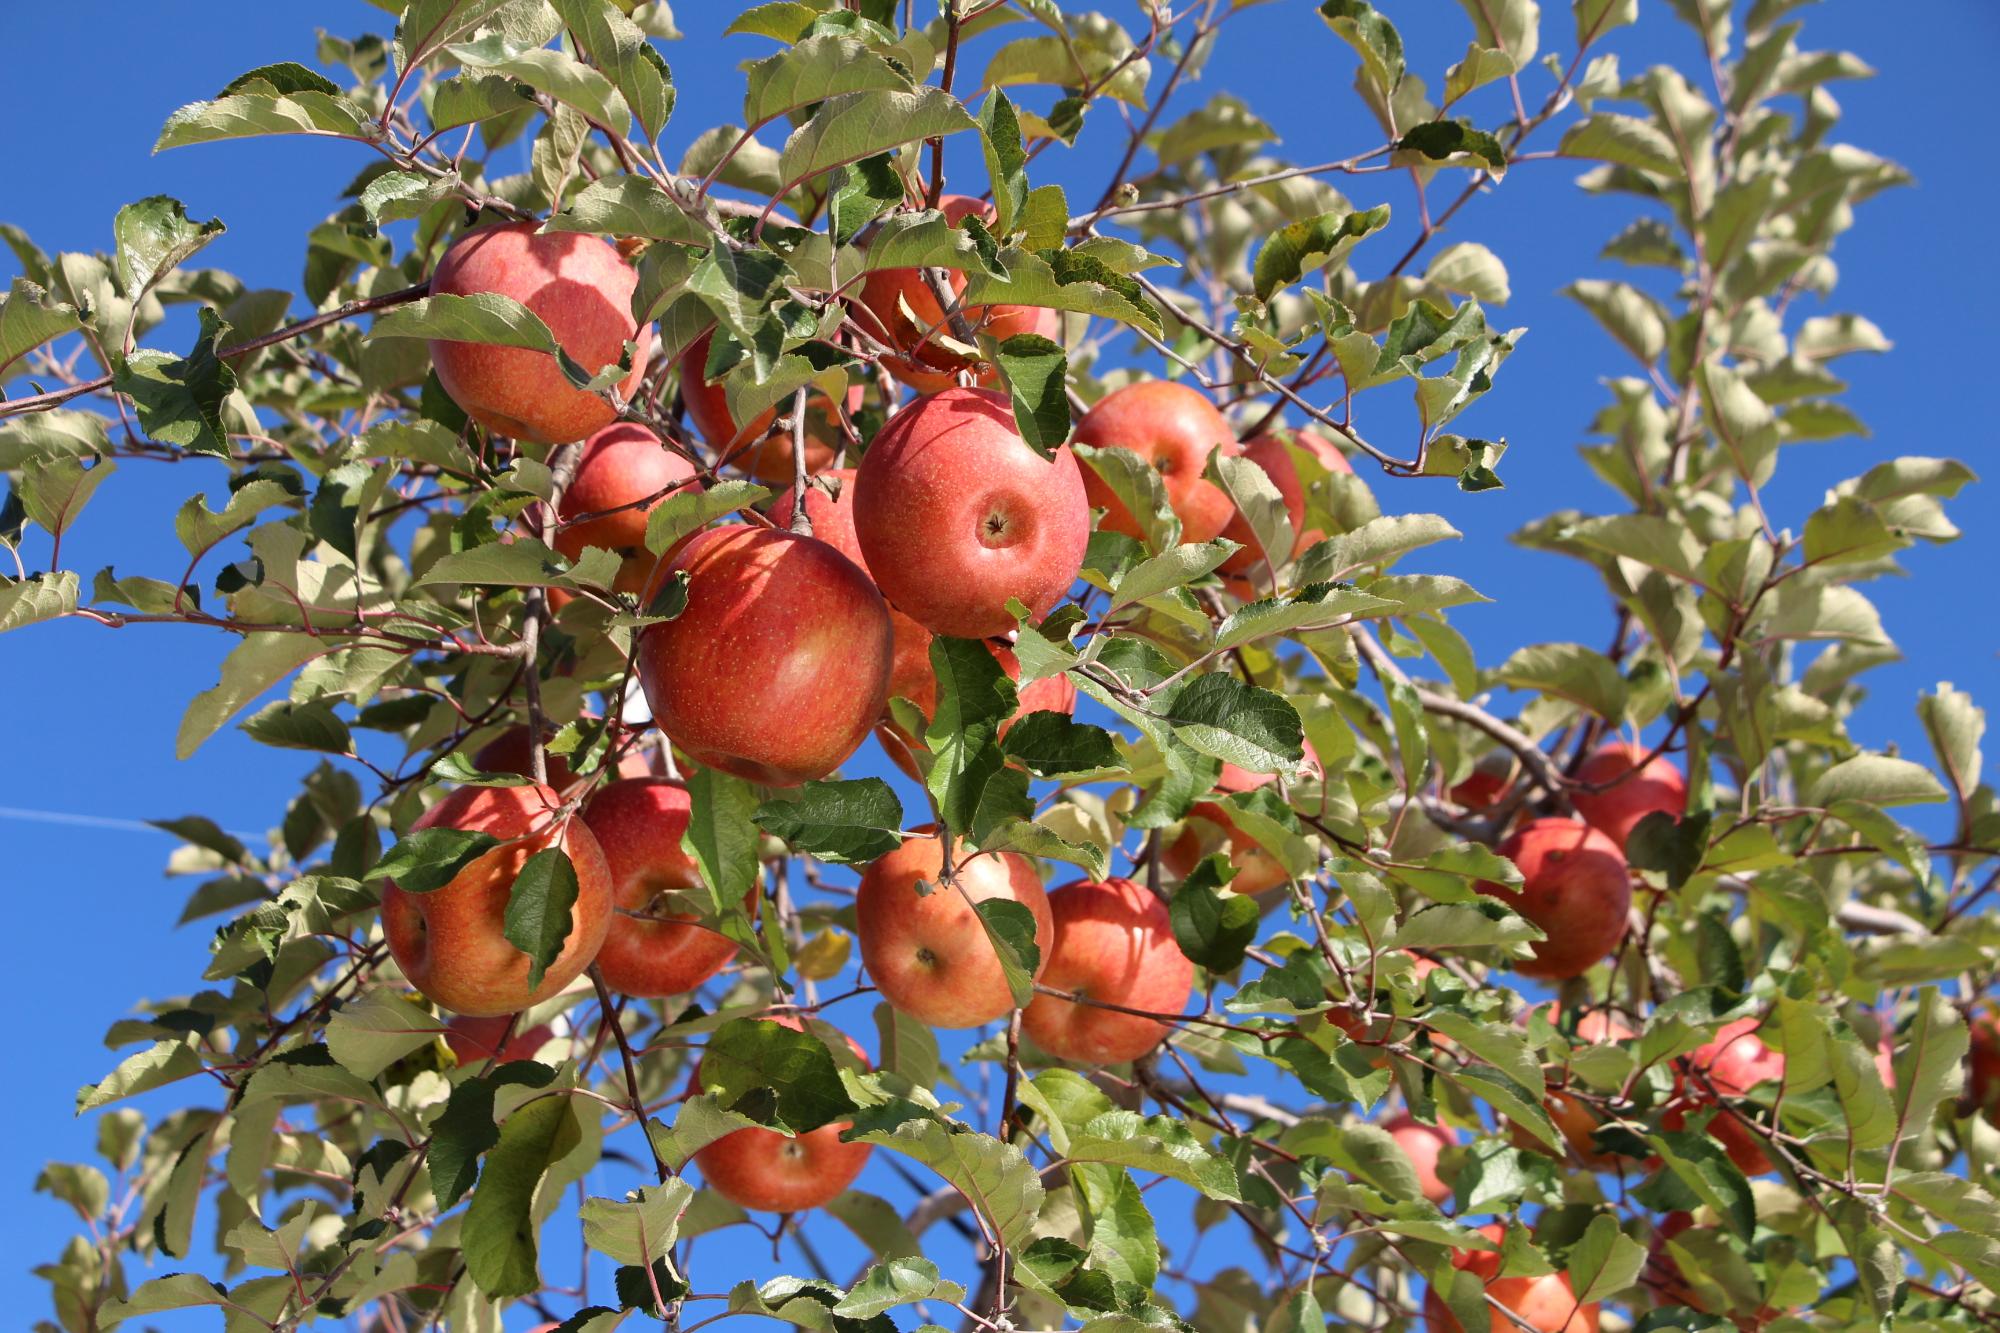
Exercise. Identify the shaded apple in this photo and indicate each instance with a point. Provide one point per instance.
(779, 664)
(581, 289)
(757, 449)
(1423, 1145)
(1575, 886)
(1731, 1064)
(1546, 1304)
(1115, 944)
(509, 752)
(1982, 1066)
(639, 824)
(957, 515)
(476, 1040)
(1575, 1119)
(924, 945)
(451, 942)
(765, 1170)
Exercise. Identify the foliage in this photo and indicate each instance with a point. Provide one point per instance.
(375, 562)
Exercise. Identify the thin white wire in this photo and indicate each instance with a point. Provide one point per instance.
(95, 821)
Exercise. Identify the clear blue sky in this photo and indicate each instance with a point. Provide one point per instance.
(91, 713)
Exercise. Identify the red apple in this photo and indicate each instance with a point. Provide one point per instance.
(1576, 887)
(778, 666)
(898, 308)
(1269, 453)
(1732, 1063)
(639, 824)
(756, 449)
(1208, 828)
(622, 474)
(1628, 795)
(476, 1040)
(581, 289)
(1489, 781)
(1175, 429)
(1576, 1119)
(923, 943)
(916, 682)
(767, 1171)
(1423, 1145)
(1982, 1066)
(451, 942)
(1114, 943)
(1547, 1303)
(957, 515)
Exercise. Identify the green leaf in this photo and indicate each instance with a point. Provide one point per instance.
(371, 1033)
(1373, 38)
(426, 859)
(306, 726)
(1604, 1260)
(43, 597)
(619, 48)
(1138, 486)
(1060, 279)
(1636, 320)
(639, 1229)
(1240, 724)
(1930, 1061)
(820, 67)
(848, 823)
(54, 489)
(256, 112)
(1010, 929)
(686, 511)
(851, 126)
(1625, 140)
(722, 834)
(1569, 671)
(1002, 1185)
(175, 1291)
(1594, 18)
(538, 917)
(155, 236)
(28, 318)
(161, 1063)
(1212, 929)
(1006, 160)
(790, 1075)
(180, 399)
(1050, 744)
(254, 665)
(1172, 568)
(1463, 926)
(1301, 247)
(524, 563)
(1037, 371)
(974, 698)
(498, 1236)
(628, 206)
(1879, 779)
(894, 1282)
(560, 75)
(1316, 606)
(1443, 140)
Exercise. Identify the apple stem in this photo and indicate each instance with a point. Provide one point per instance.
(802, 522)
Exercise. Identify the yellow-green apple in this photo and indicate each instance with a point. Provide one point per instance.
(1575, 886)
(1631, 789)
(756, 448)
(581, 289)
(764, 1170)
(451, 942)
(1729, 1064)
(1423, 1145)
(1546, 1304)
(779, 664)
(1174, 428)
(1114, 944)
(622, 474)
(477, 1040)
(897, 308)
(923, 943)
(957, 515)
(1269, 453)
(652, 950)
(509, 753)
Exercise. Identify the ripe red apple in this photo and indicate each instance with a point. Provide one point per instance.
(1174, 428)
(1732, 1062)
(1576, 887)
(476, 1040)
(623, 473)
(1982, 1066)
(1488, 782)
(1269, 453)
(581, 289)
(1575, 1119)
(1114, 943)
(1423, 1144)
(639, 823)
(923, 944)
(1615, 811)
(509, 753)
(764, 1170)
(1547, 1303)
(778, 666)
(1209, 828)
(897, 307)
(450, 942)
(957, 515)
(755, 448)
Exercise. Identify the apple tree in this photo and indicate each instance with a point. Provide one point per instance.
(1244, 949)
